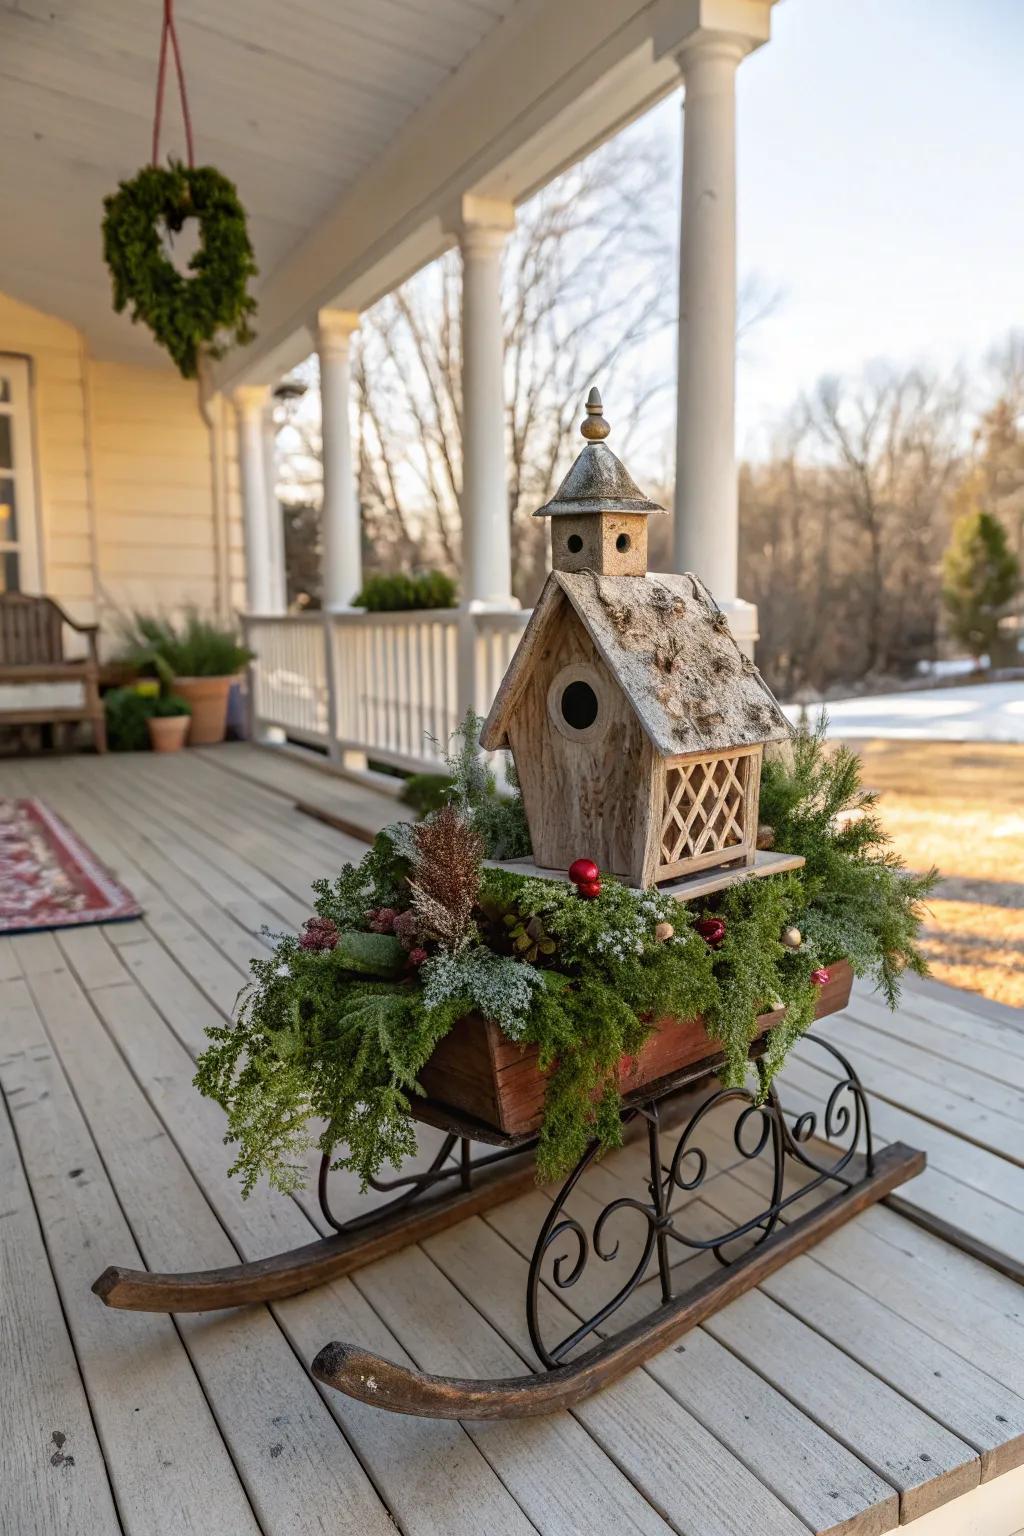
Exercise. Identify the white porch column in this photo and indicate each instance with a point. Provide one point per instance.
(342, 547)
(275, 517)
(711, 37)
(482, 226)
(250, 403)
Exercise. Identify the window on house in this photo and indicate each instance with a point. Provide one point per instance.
(19, 567)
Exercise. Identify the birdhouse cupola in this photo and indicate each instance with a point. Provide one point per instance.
(598, 516)
(636, 723)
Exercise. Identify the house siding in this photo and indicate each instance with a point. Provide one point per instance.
(139, 503)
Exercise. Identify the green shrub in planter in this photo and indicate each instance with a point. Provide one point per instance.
(399, 593)
(127, 712)
(166, 708)
(196, 647)
(427, 792)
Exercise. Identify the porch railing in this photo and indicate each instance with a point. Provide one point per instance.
(389, 687)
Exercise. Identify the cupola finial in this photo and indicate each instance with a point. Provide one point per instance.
(593, 426)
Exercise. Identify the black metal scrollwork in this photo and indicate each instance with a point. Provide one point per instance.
(761, 1130)
(446, 1167)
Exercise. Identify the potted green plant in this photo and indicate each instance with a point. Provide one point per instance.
(197, 660)
(169, 723)
(127, 711)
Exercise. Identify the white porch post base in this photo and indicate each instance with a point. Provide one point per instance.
(342, 540)
(742, 618)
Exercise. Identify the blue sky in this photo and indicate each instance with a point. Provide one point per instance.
(881, 188)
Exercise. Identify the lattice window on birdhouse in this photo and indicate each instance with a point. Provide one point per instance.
(709, 812)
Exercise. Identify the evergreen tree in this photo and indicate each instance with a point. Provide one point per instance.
(981, 576)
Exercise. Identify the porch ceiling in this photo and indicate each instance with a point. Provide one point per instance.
(292, 101)
(349, 126)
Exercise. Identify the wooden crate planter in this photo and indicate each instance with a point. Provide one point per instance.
(478, 1071)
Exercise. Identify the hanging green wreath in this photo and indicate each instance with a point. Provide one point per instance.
(187, 315)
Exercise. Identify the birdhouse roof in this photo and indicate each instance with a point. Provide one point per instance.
(669, 646)
(597, 481)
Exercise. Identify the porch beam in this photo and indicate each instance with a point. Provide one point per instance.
(708, 39)
(250, 403)
(341, 531)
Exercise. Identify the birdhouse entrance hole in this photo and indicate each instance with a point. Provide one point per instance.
(574, 543)
(578, 702)
(579, 706)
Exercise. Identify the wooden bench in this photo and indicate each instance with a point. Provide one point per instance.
(32, 651)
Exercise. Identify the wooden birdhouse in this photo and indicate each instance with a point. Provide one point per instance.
(636, 723)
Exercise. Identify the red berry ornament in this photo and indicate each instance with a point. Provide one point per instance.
(820, 978)
(711, 930)
(417, 957)
(318, 934)
(588, 889)
(584, 872)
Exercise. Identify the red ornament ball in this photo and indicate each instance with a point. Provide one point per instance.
(588, 889)
(711, 930)
(820, 977)
(584, 872)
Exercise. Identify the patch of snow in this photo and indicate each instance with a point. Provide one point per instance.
(957, 666)
(982, 712)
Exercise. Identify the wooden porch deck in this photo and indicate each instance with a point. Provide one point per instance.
(871, 1382)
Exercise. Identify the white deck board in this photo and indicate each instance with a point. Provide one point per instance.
(51, 1467)
(283, 1440)
(167, 1461)
(814, 1411)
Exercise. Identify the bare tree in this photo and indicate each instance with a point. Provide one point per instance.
(890, 447)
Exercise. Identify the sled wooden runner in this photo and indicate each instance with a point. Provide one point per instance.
(369, 1377)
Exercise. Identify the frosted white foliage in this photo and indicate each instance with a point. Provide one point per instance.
(500, 987)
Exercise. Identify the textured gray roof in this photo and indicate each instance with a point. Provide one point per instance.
(597, 482)
(670, 648)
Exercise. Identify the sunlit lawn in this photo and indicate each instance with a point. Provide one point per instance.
(961, 806)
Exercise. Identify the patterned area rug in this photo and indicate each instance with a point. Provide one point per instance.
(49, 878)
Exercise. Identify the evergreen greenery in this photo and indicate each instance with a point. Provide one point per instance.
(857, 897)
(426, 792)
(399, 592)
(194, 647)
(168, 706)
(336, 1025)
(187, 315)
(127, 712)
(981, 575)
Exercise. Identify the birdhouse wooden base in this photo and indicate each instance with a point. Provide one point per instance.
(681, 887)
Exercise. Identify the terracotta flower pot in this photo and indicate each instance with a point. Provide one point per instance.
(208, 697)
(168, 733)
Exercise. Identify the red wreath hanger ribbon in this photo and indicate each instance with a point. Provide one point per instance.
(169, 32)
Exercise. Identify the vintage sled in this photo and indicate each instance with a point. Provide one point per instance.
(479, 1165)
